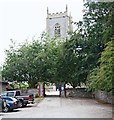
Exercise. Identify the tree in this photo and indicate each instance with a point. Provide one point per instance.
(19, 63)
(32, 62)
(101, 78)
(82, 52)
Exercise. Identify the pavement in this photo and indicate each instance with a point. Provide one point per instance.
(56, 107)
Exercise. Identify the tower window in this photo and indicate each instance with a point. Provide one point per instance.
(57, 30)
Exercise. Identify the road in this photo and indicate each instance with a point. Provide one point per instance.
(56, 107)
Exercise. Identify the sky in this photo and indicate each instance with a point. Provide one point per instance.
(22, 20)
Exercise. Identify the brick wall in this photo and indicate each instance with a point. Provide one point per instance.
(103, 96)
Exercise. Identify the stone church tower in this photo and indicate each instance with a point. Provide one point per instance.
(59, 24)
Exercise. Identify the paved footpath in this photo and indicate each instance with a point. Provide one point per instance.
(55, 107)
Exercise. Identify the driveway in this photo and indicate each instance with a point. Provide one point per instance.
(56, 107)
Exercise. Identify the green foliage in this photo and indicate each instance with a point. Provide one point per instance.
(32, 62)
(82, 51)
(101, 78)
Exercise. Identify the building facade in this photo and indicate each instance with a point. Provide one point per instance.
(59, 24)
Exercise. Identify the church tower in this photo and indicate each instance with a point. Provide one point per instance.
(59, 24)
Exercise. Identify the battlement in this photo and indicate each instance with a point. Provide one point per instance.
(57, 14)
(58, 23)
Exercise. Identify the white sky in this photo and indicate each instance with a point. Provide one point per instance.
(23, 19)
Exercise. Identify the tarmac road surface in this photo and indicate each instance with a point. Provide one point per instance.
(56, 107)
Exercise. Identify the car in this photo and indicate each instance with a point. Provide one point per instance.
(23, 99)
(11, 104)
(2, 104)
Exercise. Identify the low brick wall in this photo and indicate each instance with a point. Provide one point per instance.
(78, 92)
(103, 96)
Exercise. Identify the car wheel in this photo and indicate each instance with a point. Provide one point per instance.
(25, 105)
(33, 102)
(20, 104)
(6, 109)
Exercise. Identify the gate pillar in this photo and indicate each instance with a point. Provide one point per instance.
(41, 89)
(62, 90)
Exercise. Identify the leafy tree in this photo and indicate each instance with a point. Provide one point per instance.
(101, 78)
(82, 51)
(18, 66)
(32, 62)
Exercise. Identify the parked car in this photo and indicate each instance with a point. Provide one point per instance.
(23, 99)
(2, 104)
(11, 104)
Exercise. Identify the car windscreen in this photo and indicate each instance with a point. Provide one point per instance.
(4, 94)
(10, 94)
(10, 99)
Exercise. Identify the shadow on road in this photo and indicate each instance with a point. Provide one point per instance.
(28, 106)
(15, 111)
(52, 96)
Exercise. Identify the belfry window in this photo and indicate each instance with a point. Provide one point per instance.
(57, 30)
